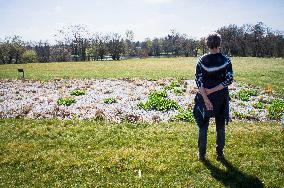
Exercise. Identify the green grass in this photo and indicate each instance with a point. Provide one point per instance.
(264, 72)
(259, 71)
(54, 153)
(141, 68)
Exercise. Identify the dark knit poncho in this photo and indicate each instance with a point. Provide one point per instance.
(213, 70)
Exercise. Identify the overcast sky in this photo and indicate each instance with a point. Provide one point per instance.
(40, 19)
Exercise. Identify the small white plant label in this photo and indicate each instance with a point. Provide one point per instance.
(139, 173)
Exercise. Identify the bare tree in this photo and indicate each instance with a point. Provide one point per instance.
(129, 44)
(43, 51)
(115, 46)
(77, 37)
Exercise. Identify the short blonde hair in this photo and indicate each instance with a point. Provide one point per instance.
(213, 40)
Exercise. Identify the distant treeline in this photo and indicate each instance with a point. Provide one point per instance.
(75, 43)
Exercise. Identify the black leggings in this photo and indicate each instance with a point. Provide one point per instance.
(220, 135)
(219, 101)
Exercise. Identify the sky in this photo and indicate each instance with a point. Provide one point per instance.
(41, 19)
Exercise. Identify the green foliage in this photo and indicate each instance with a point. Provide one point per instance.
(232, 95)
(259, 105)
(245, 94)
(276, 109)
(77, 92)
(175, 87)
(110, 100)
(158, 93)
(252, 92)
(179, 91)
(11, 50)
(173, 84)
(240, 115)
(29, 56)
(66, 101)
(158, 100)
(184, 115)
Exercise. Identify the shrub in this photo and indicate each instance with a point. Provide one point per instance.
(252, 92)
(179, 91)
(240, 115)
(185, 115)
(176, 88)
(110, 100)
(276, 109)
(66, 101)
(158, 93)
(29, 56)
(158, 100)
(77, 92)
(173, 84)
(258, 105)
(245, 94)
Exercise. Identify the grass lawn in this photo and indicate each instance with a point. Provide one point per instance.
(259, 71)
(53, 153)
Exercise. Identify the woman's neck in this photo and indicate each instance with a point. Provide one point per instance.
(214, 50)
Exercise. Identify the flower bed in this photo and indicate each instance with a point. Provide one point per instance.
(118, 99)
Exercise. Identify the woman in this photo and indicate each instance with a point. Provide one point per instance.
(213, 75)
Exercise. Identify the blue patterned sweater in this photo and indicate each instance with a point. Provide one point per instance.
(212, 70)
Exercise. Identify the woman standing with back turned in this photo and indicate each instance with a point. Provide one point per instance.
(213, 75)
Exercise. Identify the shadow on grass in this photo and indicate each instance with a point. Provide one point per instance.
(232, 177)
